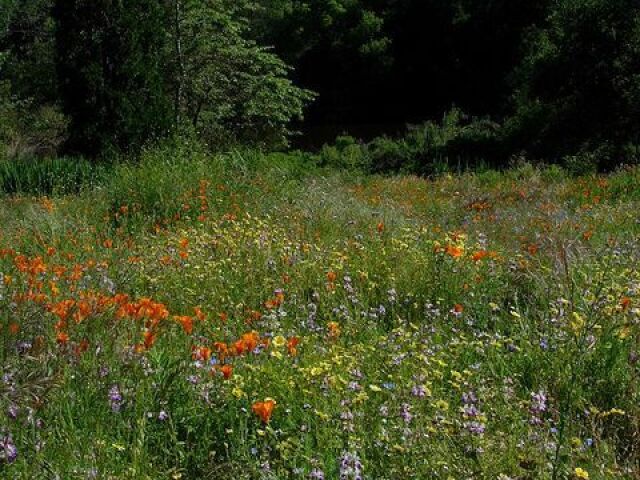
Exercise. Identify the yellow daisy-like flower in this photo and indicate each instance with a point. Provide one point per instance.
(581, 473)
(279, 341)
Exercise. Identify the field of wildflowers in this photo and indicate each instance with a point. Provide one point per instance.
(251, 317)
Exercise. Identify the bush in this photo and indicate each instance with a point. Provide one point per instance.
(29, 130)
(457, 142)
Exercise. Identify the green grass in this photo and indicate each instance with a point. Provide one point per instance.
(470, 326)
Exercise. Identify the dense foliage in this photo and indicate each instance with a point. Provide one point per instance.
(555, 79)
(578, 85)
(126, 74)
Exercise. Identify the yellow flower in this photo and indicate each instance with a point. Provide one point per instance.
(375, 388)
(581, 473)
(279, 341)
(237, 392)
(577, 323)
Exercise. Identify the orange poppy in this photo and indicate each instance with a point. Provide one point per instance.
(227, 371)
(264, 410)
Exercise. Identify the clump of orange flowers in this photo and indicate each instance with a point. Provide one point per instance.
(334, 329)
(264, 410)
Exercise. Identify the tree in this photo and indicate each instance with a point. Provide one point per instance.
(109, 57)
(30, 117)
(228, 88)
(578, 85)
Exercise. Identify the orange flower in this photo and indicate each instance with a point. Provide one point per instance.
(82, 347)
(479, 255)
(14, 328)
(334, 329)
(292, 346)
(186, 322)
(62, 338)
(458, 308)
(452, 250)
(264, 410)
(380, 227)
(227, 371)
(149, 339)
(247, 343)
(331, 276)
(625, 302)
(200, 353)
(222, 349)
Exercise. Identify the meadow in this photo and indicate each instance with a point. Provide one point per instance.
(255, 316)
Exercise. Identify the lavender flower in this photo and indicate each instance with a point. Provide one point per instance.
(419, 391)
(12, 411)
(115, 398)
(8, 450)
(350, 467)
(316, 474)
(405, 413)
(472, 415)
(537, 407)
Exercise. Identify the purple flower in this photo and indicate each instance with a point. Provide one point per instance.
(8, 450)
(115, 398)
(354, 386)
(350, 467)
(12, 411)
(419, 391)
(471, 411)
(162, 416)
(405, 413)
(316, 474)
(346, 416)
(537, 407)
(477, 428)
